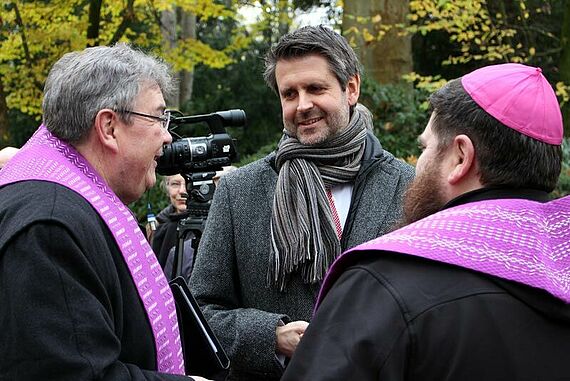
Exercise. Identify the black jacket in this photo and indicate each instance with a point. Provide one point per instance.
(397, 317)
(165, 241)
(69, 309)
(164, 237)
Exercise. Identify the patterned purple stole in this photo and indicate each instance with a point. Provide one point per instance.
(47, 158)
(519, 240)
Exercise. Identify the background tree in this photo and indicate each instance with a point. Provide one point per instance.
(37, 33)
(374, 29)
(565, 65)
(453, 37)
(179, 23)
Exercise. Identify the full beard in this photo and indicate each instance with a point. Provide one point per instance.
(423, 197)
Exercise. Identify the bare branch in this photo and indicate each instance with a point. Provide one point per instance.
(20, 24)
(128, 18)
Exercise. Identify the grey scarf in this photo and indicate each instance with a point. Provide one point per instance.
(303, 235)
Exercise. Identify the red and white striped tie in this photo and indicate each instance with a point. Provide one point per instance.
(335, 217)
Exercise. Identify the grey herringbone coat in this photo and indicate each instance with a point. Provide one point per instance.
(229, 276)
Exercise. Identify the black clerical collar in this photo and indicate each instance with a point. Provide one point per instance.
(494, 193)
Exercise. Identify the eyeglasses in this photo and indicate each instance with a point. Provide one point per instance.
(164, 119)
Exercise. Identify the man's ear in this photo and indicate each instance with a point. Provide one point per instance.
(353, 89)
(462, 159)
(105, 124)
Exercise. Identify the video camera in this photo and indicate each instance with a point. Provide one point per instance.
(197, 160)
(201, 154)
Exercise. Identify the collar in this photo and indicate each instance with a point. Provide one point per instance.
(515, 238)
(495, 193)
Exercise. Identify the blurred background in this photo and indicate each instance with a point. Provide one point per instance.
(408, 48)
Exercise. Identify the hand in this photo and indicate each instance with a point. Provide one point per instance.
(6, 154)
(289, 335)
(149, 233)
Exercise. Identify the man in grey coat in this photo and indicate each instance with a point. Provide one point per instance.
(276, 225)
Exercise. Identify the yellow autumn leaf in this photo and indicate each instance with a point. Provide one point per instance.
(367, 36)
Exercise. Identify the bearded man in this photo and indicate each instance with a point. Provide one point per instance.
(477, 285)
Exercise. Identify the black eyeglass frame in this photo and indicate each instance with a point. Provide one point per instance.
(164, 119)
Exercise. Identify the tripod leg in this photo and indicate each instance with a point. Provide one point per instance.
(178, 254)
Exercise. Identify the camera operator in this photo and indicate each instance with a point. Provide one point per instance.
(164, 239)
(276, 225)
(83, 296)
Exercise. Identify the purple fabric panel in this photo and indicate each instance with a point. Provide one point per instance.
(519, 240)
(45, 157)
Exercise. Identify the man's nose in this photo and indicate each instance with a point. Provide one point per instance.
(305, 102)
(167, 137)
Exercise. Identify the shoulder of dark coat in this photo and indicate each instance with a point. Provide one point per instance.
(28, 202)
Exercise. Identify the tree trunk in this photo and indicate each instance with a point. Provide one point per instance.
(94, 22)
(169, 37)
(283, 7)
(387, 58)
(168, 19)
(4, 123)
(564, 64)
(128, 17)
(187, 30)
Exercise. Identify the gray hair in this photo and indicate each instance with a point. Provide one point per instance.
(82, 83)
(308, 40)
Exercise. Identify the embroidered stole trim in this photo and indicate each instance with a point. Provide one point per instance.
(519, 240)
(47, 158)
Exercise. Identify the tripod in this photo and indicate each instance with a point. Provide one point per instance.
(212, 362)
(200, 189)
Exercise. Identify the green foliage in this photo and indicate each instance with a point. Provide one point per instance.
(563, 187)
(398, 116)
(26, 126)
(469, 24)
(157, 198)
(260, 153)
(35, 34)
(452, 38)
(241, 85)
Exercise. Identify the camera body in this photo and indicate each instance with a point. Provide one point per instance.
(197, 159)
(202, 154)
(198, 154)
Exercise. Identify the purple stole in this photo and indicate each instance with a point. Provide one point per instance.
(47, 158)
(519, 240)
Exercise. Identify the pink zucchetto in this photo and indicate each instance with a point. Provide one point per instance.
(518, 96)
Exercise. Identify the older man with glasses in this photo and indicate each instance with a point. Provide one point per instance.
(83, 296)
